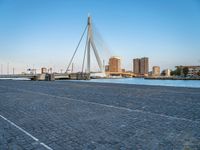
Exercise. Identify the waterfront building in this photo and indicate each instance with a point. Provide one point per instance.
(115, 64)
(192, 70)
(141, 66)
(156, 71)
(167, 72)
(144, 65)
(43, 70)
(123, 70)
(136, 66)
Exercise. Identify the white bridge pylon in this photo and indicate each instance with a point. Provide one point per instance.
(90, 43)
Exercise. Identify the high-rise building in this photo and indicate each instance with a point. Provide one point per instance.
(136, 66)
(115, 64)
(141, 66)
(156, 71)
(144, 65)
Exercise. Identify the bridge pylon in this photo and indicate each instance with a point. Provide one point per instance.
(91, 44)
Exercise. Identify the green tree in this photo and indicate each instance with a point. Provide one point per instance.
(185, 71)
(163, 73)
(172, 73)
(176, 72)
(198, 73)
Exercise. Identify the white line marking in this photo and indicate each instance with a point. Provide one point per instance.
(46, 146)
(25, 132)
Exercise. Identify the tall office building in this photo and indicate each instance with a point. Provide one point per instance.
(136, 66)
(115, 64)
(144, 65)
(141, 66)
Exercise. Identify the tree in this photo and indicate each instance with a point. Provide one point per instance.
(198, 73)
(185, 71)
(163, 73)
(176, 72)
(172, 73)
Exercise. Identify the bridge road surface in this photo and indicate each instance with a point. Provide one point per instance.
(81, 115)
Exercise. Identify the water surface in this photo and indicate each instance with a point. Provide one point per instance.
(142, 81)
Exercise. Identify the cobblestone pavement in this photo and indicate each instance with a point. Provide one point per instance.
(80, 115)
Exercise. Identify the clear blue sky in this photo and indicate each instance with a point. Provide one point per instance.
(46, 32)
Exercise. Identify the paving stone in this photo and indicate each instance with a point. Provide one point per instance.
(81, 115)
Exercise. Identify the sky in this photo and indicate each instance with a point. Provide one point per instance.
(45, 33)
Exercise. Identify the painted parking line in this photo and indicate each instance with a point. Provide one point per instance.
(25, 132)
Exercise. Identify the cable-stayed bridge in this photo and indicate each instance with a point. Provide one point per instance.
(90, 46)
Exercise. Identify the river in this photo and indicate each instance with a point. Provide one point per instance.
(142, 81)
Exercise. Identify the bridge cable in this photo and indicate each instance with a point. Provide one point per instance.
(77, 48)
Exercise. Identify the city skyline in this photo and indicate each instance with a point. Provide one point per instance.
(36, 34)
